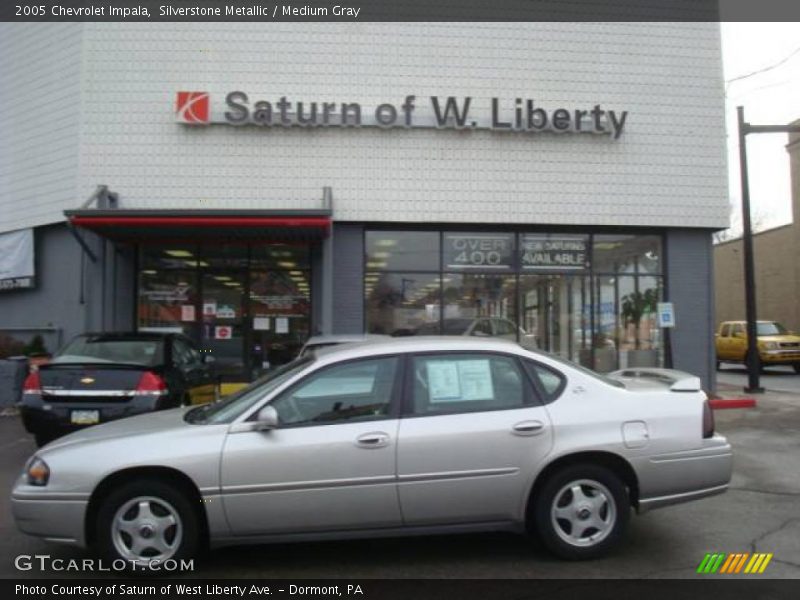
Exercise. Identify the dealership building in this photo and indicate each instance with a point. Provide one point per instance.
(251, 185)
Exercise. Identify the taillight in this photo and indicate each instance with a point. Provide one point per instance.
(708, 420)
(33, 384)
(151, 384)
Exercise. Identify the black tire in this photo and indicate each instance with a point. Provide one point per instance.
(181, 540)
(719, 366)
(796, 367)
(609, 508)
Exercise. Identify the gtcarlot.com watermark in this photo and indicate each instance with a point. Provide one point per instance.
(44, 562)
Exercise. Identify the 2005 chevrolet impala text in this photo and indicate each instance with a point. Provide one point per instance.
(396, 437)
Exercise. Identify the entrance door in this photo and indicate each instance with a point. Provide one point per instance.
(279, 311)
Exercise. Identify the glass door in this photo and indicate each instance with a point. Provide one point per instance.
(279, 315)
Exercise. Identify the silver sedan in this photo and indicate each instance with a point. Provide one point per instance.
(398, 437)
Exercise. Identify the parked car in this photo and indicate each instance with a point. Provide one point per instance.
(498, 327)
(99, 377)
(776, 345)
(407, 436)
(324, 341)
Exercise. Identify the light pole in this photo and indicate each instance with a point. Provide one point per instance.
(753, 376)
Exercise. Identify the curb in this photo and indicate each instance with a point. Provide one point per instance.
(720, 403)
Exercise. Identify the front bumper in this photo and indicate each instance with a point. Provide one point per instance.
(678, 477)
(54, 518)
(780, 357)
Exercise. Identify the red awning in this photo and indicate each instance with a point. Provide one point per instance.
(224, 226)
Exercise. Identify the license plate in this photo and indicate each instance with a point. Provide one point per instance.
(85, 417)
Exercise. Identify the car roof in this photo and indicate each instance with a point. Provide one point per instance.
(417, 343)
(345, 338)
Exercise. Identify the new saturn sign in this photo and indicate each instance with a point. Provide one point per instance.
(451, 112)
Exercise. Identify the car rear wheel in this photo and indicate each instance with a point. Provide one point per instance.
(796, 367)
(147, 522)
(581, 511)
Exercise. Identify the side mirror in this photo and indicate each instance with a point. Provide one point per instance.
(267, 418)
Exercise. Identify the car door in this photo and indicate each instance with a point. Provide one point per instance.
(472, 436)
(329, 465)
(723, 342)
(737, 343)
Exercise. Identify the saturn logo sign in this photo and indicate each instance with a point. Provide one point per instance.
(192, 108)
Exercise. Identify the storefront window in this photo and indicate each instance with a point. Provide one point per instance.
(167, 301)
(627, 254)
(402, 303)
(587, 298)
(248, 305)
(280, 256)
(555, 313)
(183, 256)
(479, 304)
(402, 250)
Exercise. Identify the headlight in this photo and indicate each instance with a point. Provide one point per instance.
(769, 345)
(37, 471)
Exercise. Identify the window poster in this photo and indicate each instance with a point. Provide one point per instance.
(460, 380)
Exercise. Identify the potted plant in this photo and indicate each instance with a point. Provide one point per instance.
(635, 306)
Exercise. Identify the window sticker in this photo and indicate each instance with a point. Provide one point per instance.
(460, 380)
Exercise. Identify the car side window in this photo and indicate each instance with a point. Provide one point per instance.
(737, 328)
(503, 327)
(180, 353)
(482, 327)
(468, 382)
(726, 330)
(550, 381)
(355, 391)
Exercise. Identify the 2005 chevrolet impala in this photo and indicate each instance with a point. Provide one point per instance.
(396, 437)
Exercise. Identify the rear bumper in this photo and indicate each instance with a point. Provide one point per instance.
(678, 477)
(54, 419)
(54, 520)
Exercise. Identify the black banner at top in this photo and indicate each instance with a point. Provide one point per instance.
(397, 10)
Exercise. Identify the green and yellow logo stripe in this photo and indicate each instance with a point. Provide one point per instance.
(734, 563)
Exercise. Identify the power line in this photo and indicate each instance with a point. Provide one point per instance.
(765, 69)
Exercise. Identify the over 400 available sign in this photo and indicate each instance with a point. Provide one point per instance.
(451, 112)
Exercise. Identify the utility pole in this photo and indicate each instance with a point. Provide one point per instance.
(753, 375)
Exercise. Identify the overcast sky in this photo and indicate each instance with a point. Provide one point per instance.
(771, 97)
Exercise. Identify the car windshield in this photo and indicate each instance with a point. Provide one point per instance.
(227, 409)
(771, 328)
(100, 349)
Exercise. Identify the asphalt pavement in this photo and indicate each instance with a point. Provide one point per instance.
(776, 379)
(760, 513)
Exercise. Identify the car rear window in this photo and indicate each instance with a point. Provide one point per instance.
(108, 350)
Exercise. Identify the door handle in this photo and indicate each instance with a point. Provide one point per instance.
(528, 428)
(374, 439)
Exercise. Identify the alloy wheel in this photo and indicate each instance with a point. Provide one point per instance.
(583, 513)
(146, 529)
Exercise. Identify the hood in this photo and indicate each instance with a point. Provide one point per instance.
(149, 423)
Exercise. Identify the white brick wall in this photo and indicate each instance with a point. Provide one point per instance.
(40, 97)
(667, 169)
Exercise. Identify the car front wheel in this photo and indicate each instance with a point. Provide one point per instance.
(146, 523)
(581, 511)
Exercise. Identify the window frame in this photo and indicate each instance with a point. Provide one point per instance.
(394, 400)
(531, 395)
